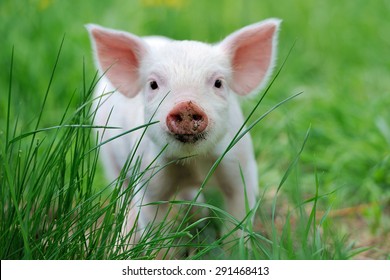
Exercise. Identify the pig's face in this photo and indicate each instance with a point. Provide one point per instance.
(188, 93)
(197, 80)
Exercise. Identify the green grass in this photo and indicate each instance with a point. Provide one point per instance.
(323, 157)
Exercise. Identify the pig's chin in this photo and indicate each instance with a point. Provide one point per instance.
(182, 145)
(190, 138)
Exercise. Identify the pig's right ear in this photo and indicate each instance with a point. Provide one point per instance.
(118, 55)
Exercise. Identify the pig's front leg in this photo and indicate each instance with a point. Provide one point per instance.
(239, 191)
(157, 188)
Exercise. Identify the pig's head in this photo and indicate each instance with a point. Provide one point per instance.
(198, 81)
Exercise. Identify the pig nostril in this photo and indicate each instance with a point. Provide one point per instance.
(197, 117)
(177, 118)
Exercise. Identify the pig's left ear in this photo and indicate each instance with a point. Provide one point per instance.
(252, 52)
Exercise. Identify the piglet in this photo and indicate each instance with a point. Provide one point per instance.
(191, 89)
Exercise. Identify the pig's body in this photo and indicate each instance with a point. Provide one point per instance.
(198, 118)
(184, 176)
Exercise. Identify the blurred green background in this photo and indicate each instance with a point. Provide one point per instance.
(341, 61)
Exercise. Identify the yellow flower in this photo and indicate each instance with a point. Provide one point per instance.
(44, 4)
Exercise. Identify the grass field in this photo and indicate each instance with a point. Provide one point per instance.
(334, 199)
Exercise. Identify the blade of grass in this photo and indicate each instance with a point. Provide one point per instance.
(276, 253)
(9, 101)
(242, 131)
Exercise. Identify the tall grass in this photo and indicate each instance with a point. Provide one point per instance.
(54, 205)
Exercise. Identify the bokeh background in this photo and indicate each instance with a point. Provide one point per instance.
(340, 59)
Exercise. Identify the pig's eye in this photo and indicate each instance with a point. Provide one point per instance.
(153, 85)
(218, 83)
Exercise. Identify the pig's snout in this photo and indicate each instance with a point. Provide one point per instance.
(187, 122)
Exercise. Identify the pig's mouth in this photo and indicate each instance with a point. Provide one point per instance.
(190, 138)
